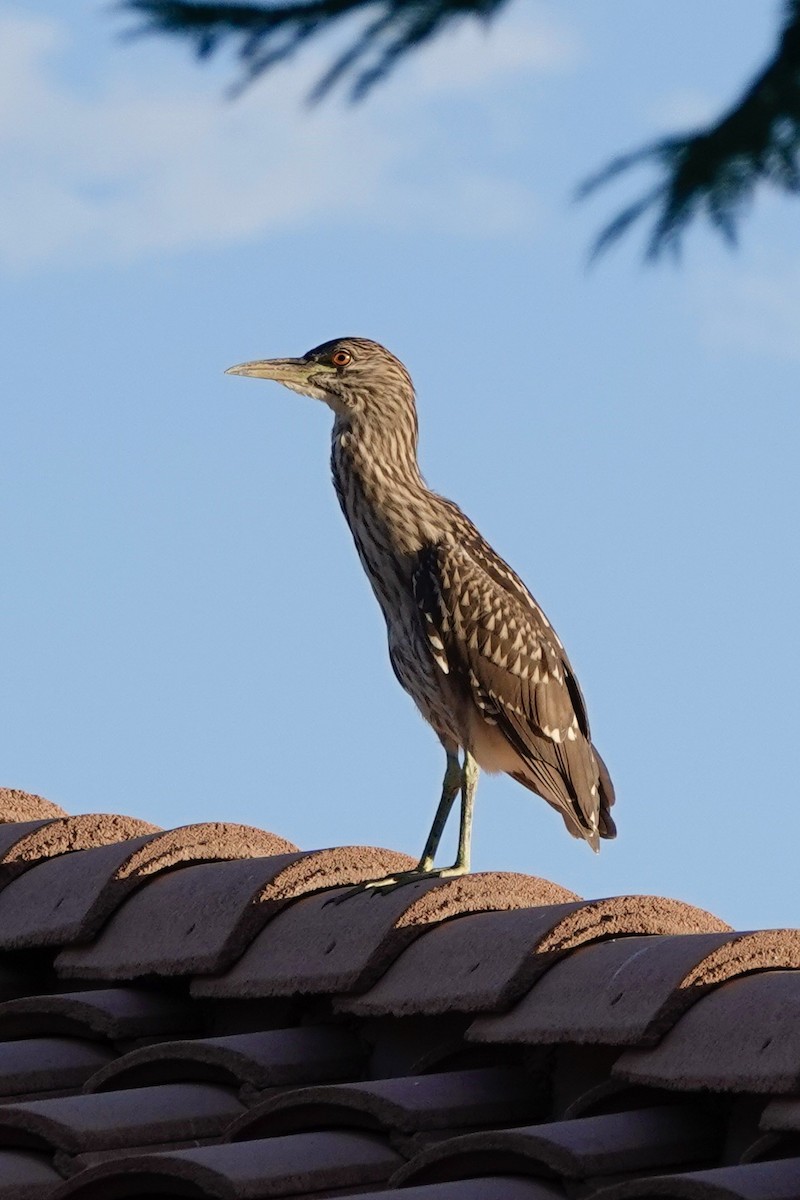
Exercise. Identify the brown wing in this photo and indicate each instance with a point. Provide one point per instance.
(485, 627)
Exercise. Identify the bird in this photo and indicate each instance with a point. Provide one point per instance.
(467, 640)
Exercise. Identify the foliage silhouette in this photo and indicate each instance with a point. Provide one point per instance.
(712, 170)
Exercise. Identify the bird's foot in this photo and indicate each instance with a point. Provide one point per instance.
(390, 883)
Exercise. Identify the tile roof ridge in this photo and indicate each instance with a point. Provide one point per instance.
(67, 898)
(342, 942)
(156, 931)
(26, 843)
(17, 805)
(640, 986)
(483, 891)
(484, 963)
(742, 1036)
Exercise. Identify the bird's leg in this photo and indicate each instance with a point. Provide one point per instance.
(453, 782)
(456, 779)
(469, 786)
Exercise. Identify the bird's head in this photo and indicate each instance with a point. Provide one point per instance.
(353, 376)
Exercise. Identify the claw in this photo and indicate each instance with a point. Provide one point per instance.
(400, 879)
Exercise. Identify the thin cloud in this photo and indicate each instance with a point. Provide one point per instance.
(136, 168)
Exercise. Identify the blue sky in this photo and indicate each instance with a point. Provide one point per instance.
(188, 635)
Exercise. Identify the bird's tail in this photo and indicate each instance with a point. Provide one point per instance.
(605, 822)
(588, 822)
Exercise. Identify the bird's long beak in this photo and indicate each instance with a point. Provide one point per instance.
(282, 370)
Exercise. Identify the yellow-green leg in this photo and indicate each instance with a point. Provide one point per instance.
(458, 777)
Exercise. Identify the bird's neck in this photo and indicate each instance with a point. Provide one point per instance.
(380, 488)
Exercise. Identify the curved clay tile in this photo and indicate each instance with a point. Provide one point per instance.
(410, 1104)
(483, 963)
(25, 806)
(49, 1064)
(339, 943)
(265, 1059)
(744, 1036)
(750, 1181)
(584, 1149)
(116, 1120)
(25, 844)
(311, 1163)
(107, 1012)
(27, 1175)
(68, 898)
(640, 986)
(489, 1187)
(157, 930)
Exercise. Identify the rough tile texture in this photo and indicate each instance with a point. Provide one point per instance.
(24, 806)
(742, 1037)
(344, 943)
(211, 1012)
(28, 843)
(68, 898)
(157, 930)
(485, 962)
(638, 986)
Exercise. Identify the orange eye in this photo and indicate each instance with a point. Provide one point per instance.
(341, 358)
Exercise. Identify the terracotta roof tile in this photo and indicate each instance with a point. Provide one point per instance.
(344, 943)
(52, 1064)
(320, 1039)
(588, 1147)
(67, 899)
(29, 842)
(488, 1187)
(743, 1036)
(268, 1059)
(104, 1012)
(754, 1181)
(451, 1100)
(157, 930)
(483, 963)
(639, 986)
(25, 1175)
(24, 806)
(316, 1162)
(177, 1112)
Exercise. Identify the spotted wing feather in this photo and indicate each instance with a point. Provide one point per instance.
(485, 628)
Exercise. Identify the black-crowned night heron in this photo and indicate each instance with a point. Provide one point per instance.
(467, 640)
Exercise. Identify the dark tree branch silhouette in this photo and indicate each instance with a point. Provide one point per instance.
(267, 34)
(712, 170)
(716, 169)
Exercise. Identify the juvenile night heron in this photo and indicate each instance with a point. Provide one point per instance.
(467, 640)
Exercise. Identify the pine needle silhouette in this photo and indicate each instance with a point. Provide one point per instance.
(711, 171)
(715, 170)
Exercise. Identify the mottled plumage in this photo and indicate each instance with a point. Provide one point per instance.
(467, 640)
